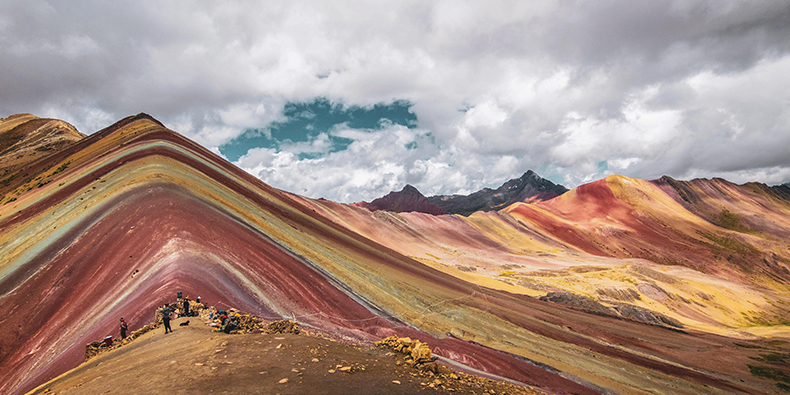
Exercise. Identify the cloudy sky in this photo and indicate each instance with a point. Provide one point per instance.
(351, 99)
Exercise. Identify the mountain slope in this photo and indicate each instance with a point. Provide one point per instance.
(750, 208)
(140, 212)
(619, 241)
(25, 138)
(625, 217)
(135, 212)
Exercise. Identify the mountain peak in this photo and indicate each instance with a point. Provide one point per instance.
(125, 121)
(529, 187)
(409, 199)
(410, 191)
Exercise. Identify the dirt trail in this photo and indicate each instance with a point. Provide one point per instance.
(194, 359)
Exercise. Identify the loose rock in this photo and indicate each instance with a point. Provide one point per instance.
(283, 326)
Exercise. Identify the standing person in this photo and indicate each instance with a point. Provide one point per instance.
(166, 319)
(124, 327)
(186, 308)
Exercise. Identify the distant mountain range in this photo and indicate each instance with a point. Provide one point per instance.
(529, 187)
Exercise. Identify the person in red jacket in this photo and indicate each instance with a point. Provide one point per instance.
(123, 328)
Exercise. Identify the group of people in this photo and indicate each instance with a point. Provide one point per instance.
(166, 316)
(223, 321)
(167, 313)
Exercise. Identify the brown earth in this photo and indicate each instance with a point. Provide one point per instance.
(25, 138)
(194, 359)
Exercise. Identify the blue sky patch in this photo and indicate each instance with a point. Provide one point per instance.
(306, 121)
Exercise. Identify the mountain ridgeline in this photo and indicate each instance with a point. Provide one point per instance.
(529, 187)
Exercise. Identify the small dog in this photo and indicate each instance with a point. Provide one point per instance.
(185, 323)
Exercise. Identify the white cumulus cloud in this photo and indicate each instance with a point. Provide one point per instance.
(697, 88)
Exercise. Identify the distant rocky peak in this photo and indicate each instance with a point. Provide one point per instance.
(529, 187)
(530, 178)
(408, 199)
(531, 174)
(409, 190)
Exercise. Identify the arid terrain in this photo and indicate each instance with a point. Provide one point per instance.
(195, 359)
(620, 285)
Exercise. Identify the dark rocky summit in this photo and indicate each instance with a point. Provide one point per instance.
(529, 186)
(782, 190)
(408, 199)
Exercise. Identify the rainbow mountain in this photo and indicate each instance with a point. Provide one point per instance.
(618, 286)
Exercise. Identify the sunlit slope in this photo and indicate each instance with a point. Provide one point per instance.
(626, 217)
(617, 241)
(752, 208)
(26, 138)
(136, 212)
(739, 279)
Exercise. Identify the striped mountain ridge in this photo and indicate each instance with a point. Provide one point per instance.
(113, 224)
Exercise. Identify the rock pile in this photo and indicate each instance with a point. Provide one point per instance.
(140, 331)
(442, 378)
(283, 326)
(246, 323)
(94, 348)
(399, 344)
(420, 353)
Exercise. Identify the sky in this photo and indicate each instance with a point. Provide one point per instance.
(348, 100)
